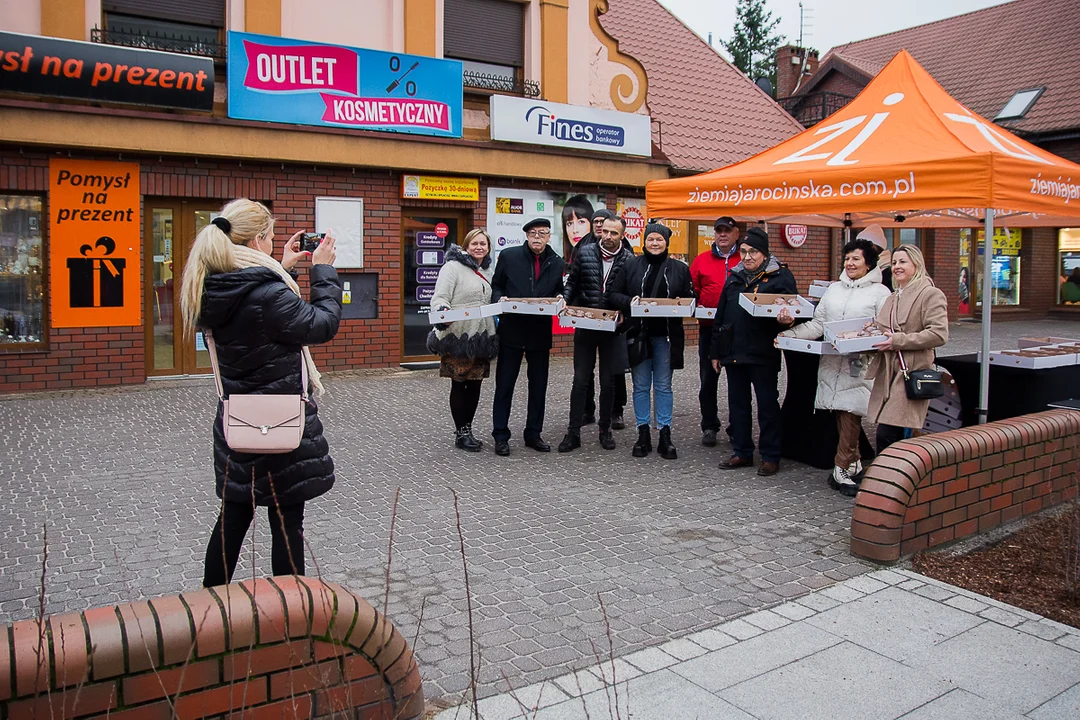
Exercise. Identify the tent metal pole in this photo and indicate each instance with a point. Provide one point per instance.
(987, 280)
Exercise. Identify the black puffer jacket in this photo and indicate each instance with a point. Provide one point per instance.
(675, 284)
(739, 338)
(515, 276)
(585, 283)
(260, 326)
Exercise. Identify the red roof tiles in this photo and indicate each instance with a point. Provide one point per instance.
(982, 58)
(710, 114)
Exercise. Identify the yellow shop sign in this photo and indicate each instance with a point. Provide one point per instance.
(427, 187)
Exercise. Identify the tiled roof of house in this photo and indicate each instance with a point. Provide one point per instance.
(982, 58)
(710, 114)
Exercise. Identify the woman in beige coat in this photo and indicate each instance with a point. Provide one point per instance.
(916, 320)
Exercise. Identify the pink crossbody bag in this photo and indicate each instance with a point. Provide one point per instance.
(261, 424)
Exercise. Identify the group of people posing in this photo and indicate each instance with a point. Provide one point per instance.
(251, 308)
(603, 272)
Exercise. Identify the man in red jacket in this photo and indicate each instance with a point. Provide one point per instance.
(708, 273)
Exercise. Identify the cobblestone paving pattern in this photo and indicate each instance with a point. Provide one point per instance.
(122, 481)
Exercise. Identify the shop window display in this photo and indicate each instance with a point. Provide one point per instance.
(1005, 266)
(22, 271)
(1069, 266)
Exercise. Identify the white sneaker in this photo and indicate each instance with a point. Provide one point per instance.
(840, 480)
(855, 468)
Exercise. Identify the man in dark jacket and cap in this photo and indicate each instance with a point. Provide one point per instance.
(743, 344)
(591, 276)
(532, 270)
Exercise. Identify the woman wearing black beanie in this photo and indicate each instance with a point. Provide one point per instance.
(659, 341)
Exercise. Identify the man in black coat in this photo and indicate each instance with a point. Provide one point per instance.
(591, 275)
(531, 270)
(743, 344)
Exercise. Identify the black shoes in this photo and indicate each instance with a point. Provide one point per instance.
(664, 447)
(537, 443)
(502, 447)
(708, 438)
(643, 446)
(607, 440)
(465, 439)
(570, 442)
(617, 422)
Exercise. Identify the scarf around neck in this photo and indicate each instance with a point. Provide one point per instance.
(608, 255)
(246, 257)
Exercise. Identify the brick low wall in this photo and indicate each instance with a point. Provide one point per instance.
(934, 489)
(278, 648)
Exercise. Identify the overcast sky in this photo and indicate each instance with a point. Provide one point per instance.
(827, 23)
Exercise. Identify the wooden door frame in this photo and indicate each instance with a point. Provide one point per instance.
(184, 362)
(463, 217)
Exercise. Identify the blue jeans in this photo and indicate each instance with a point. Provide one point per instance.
(654, 374)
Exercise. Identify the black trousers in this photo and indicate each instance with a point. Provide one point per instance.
(286, 541)
(887, 435)
(506, 375)
(464, 398)
(709, 381)
(588, 344)
(618, 398)
(763, 379)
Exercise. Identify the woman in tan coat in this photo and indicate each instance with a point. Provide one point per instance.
(916, 320)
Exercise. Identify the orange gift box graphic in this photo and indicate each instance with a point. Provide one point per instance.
(95, 280)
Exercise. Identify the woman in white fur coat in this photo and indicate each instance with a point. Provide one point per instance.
(842, 385)
(465, 347)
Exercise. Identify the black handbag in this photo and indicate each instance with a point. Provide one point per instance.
(637, 346)
(918, 384)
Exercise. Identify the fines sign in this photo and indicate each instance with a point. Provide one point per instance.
(95, 240)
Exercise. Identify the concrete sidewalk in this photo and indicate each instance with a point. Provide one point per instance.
(890, 644)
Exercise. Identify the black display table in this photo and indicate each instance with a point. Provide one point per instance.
(809, 435)
(1013, 391)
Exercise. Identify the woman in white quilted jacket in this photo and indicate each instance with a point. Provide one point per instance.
(842, 385)
(465, 347)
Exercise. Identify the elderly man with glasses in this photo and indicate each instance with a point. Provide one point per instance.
(529, 270)
(743, 344)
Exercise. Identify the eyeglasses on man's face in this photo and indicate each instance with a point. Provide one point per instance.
(538, 234)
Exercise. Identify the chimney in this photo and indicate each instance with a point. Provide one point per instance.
(789, 59)
(811, 66)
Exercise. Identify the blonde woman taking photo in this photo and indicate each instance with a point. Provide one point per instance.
(261, 327)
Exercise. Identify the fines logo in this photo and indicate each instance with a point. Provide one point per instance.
(581, 131)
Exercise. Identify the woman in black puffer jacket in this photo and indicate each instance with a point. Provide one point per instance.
(261, 327)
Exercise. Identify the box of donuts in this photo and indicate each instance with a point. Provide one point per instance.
(818, 287)
(814, 347)
(1035, 358)
(770, 305)
(854, 336)
(532, 306)
(464, 313)
(662, 307)
(588, 318)
(704, 312)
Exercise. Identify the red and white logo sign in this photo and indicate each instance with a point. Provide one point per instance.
(441, 230)
(796, 235)
(635, 224)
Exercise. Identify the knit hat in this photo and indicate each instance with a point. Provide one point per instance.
(758, 238)
(602, 214)
(874, 234)
(655, 227)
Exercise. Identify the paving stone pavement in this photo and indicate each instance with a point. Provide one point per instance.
(121, 481)
(888, 645)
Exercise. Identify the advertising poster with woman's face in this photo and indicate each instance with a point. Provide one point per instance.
(576, 214)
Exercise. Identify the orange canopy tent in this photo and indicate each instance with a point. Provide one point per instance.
(903, 151)
(902, 148)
